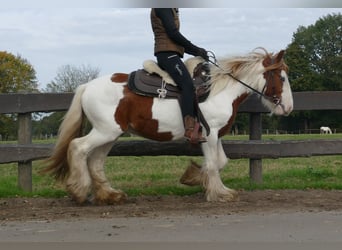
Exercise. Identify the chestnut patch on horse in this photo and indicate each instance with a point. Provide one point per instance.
(134, 113)
(119, 77)
(272, 75)
(225, 130)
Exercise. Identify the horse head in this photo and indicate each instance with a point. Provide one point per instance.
(260, 72)
(277, 95)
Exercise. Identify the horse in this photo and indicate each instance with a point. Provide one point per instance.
(113, 109)
(325, 130)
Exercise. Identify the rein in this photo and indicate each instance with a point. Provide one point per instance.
(273, 99)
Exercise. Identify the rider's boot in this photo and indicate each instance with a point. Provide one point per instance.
(193, 131)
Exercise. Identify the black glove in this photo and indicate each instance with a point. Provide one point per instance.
(203, 53)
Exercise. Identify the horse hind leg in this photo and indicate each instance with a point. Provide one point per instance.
(102, 190)
(193, 176)
(78, 182)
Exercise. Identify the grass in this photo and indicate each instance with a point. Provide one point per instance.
(159, 175)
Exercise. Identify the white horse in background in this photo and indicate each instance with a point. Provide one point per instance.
(325, 130)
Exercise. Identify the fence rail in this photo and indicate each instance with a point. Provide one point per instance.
(234, 149)
(255, 149)
(48, 102)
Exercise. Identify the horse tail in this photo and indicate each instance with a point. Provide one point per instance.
(70, 128)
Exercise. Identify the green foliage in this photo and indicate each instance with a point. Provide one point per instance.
(16, 74)
(315, 61)
(48, 125)
(315, 55)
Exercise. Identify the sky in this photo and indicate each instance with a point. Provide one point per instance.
(120, 39)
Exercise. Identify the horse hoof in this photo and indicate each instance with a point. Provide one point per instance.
(229, 195)
(192, 175)
(111, 198)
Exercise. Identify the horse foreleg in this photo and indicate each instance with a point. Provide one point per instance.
(103, 192)
(194, 175)
(215, 159)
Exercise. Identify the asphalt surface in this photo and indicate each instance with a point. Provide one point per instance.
(314, 228)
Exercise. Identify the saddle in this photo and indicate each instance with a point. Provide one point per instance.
(154, 82)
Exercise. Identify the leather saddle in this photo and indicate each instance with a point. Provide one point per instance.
(154, 82)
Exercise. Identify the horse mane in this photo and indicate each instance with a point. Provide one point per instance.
(241, 66)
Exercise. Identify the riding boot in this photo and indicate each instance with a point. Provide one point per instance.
(193, 131)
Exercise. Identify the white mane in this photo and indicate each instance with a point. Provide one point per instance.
(239, 66)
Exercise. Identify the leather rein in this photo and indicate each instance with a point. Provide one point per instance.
(274, 99)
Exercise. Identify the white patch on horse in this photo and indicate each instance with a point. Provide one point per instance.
(168, 114)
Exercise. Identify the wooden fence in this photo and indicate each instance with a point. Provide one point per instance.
(255, 149)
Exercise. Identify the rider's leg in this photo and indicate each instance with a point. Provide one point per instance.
(172, 63)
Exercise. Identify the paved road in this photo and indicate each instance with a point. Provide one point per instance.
(296, 227)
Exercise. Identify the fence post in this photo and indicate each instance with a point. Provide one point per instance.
(255, 132)
(25, 137)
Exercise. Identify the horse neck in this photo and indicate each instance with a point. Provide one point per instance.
(253, 78)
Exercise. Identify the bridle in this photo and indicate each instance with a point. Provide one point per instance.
(274, 99)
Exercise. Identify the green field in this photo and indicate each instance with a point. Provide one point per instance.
(158, 175)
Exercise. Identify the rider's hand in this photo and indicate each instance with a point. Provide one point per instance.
(203, 53)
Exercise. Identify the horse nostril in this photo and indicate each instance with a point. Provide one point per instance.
(276, 100)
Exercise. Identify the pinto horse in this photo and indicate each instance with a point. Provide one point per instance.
(113, 109)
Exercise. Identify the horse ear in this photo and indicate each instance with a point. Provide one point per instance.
(280, 55)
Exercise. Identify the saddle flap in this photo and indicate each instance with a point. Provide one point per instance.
(144, 83)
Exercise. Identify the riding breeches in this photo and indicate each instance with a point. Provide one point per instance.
(172, 64)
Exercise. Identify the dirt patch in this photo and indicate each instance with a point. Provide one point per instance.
(278, 201)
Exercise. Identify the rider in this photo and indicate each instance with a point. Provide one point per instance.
(169, 48)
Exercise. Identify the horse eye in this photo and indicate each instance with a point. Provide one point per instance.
(282, 79)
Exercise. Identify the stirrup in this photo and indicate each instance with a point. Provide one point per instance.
(196, 137)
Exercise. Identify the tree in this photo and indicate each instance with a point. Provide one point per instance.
(315, 55)
(315, 61)
(16, 74)
(47, 125)
(69, 77)
(67, 80)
